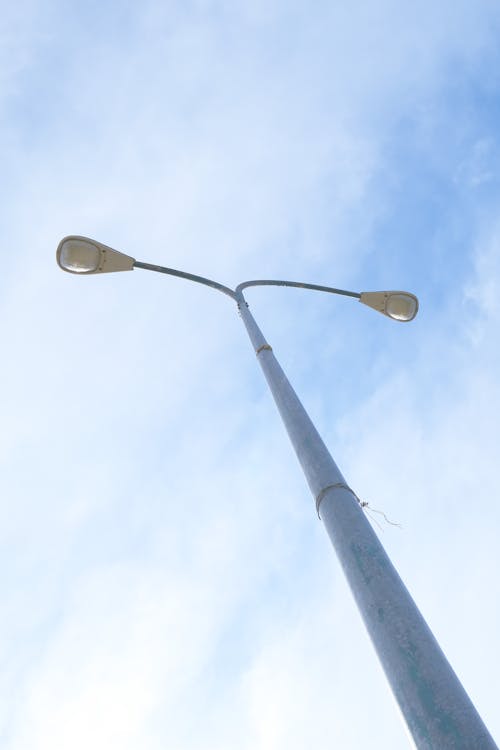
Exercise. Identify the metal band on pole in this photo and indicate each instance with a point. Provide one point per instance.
(438, 712)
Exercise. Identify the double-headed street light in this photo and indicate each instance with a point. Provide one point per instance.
(438, 712)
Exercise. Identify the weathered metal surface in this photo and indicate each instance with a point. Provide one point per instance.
(437, 710)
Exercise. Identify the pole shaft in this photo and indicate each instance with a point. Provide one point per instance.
(437, 710)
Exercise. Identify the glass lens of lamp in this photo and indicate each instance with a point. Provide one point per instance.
(401, 306)
(79, 256)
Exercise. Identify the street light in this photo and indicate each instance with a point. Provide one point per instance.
(81, 255)
(438, 712)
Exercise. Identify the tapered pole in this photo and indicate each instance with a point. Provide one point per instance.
(438, 712)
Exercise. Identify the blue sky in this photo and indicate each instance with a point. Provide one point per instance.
(165, 580)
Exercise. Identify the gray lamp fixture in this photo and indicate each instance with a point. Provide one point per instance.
(81, 255)
(401, 306)
(438, 712)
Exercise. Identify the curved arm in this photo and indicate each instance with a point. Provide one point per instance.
(189, 276)
(237, 294)
(299, 284)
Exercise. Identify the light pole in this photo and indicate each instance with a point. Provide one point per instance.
(438, 712)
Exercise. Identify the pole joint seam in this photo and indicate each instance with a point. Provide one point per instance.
(340, 485)
(261, 348)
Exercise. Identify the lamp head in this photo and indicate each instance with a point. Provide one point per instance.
(401, 306)
(82, 255)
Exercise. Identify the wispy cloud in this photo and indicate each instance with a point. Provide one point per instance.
(165, 580)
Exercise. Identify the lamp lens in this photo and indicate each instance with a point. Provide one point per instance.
(401, 306)
(79, 256)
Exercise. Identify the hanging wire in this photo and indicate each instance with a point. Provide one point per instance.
(369, 510)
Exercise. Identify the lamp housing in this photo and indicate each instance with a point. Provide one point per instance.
(401, 306)
(83, 256)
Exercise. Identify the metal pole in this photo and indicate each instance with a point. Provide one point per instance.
(437, 710)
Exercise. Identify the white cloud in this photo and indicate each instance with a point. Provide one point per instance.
(166, 581)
